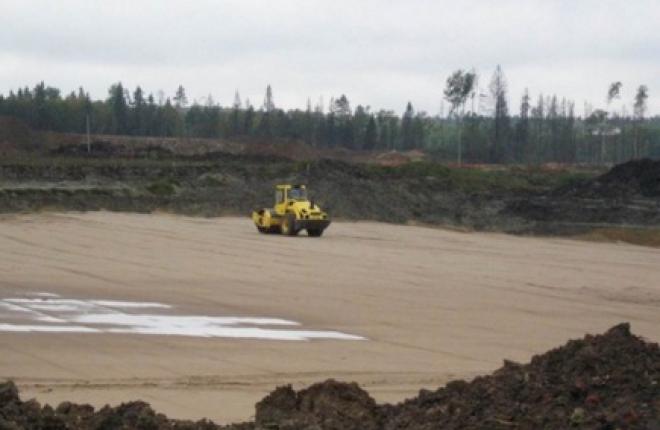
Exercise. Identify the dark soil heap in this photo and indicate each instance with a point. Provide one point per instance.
(610, 381)
(632, 179)
(330, 405)
(15, 414)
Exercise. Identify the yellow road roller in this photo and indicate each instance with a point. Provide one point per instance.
(293, 212)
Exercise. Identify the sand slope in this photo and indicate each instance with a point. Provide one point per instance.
(434, 304)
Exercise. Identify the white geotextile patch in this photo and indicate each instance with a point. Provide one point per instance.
(48, 313)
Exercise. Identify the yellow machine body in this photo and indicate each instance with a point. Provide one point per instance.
(292, 213)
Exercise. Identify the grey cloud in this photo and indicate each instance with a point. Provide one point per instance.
(381, 53)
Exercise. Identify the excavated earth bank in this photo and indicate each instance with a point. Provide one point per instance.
(608, 381)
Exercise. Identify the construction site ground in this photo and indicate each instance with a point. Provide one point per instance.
(432, 305)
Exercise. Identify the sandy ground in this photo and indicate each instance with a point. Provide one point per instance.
(434, 304)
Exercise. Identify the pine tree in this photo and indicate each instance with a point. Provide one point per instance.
(341, 107)
(308, 124)
(360, 122)
(538, 118)
(407, 133)
(119, 109)
(639, 110)
(418, 130)
(236, 126)
(553, 122)
(180, 99)
(569, 145)
(498, 89)
(522, 136)
(269, 103)
(151, 109)
(171, 124)
(371, 134)
(137, 122)
(248, 119)
(342, 124)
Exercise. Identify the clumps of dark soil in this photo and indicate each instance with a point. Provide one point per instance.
(16, 414)
(609, 381)
(330, 405)
(632, 179)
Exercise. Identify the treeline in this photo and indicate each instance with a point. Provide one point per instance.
(478, 126)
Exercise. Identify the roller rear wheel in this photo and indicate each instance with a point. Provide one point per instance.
(288, 226)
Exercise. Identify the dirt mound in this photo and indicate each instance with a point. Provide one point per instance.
(610, 381)
(631, 179)
(329, 405)
(16, 414)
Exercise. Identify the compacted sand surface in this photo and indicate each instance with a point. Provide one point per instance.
(104, 308)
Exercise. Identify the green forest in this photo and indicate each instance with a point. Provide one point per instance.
(538, 129)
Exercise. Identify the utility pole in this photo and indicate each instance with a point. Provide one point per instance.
(459, 155)
(459, 160)
(89, 143)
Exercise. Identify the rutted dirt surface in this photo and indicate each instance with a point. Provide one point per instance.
(434, 305)
(610, 381)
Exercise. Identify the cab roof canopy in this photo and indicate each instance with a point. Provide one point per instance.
(289, 186)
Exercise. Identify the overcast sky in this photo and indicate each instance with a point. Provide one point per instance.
(379, 53)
